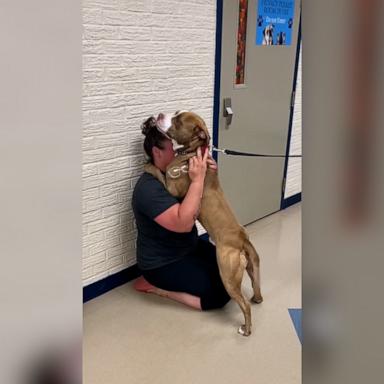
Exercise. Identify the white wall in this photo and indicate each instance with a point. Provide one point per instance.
(140, 57)
(293, 181)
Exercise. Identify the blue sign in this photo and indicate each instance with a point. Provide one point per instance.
(274, 22)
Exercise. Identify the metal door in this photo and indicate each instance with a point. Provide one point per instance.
(261, 111)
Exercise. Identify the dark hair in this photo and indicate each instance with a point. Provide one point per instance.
(153, 137)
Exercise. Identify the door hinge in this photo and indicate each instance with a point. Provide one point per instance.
(293, 97)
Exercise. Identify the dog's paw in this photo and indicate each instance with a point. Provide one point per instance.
(242, 330)
(258, 299)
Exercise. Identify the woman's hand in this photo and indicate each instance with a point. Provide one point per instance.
(198, 166)
(211, 163)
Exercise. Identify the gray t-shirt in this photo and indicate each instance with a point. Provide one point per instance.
(156, 245)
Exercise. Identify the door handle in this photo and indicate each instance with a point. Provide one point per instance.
(227, 111)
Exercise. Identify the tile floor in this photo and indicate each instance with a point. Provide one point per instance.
(137, 338)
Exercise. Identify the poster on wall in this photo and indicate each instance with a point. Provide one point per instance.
(274, 22)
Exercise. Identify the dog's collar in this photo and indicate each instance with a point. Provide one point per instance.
(182, 151)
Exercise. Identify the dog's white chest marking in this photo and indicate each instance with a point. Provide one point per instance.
(175, 172)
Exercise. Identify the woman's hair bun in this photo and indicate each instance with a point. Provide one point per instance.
(148, 125)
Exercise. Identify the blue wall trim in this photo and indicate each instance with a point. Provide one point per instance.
(291, 200)
(102, 286)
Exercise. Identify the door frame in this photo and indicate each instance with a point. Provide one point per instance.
(216, 95)
(297, 197)
(284, 203)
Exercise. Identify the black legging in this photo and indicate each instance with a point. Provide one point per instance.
(197, 274)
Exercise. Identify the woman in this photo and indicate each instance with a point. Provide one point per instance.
(174, 262)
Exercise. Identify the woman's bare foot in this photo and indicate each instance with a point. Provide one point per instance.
(143, 285)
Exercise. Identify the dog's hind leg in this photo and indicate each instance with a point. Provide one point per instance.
(253, 269)
(232, 265)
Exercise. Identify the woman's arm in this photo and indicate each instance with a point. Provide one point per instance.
(181, 217)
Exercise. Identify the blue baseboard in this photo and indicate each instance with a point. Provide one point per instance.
(291, 200)
(103, 286)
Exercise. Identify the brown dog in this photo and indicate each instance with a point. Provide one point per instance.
(235, 253)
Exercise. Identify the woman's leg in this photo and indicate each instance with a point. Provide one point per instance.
(196, 275)
(142, 285)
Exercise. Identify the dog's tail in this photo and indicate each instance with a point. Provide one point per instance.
(253, 269)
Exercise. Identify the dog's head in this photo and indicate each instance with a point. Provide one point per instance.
(186, 129)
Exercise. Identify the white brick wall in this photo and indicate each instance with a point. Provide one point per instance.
(140, 57)
(293, 183)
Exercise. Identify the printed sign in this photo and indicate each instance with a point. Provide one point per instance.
(274, 22)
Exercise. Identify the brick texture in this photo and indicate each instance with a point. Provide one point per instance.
(140, 57)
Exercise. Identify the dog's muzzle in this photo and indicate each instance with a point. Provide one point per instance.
(164, 122)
